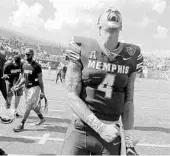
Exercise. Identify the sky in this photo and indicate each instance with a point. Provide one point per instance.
(145, 22)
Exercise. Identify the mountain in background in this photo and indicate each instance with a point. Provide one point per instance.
(49, 47)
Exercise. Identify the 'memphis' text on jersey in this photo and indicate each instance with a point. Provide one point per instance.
(109, 67)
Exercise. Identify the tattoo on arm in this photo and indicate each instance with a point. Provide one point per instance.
(73, 85)
(128, 114)
(130, 87)
(73, 78)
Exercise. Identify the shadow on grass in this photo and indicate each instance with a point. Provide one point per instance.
(14, 139)
(52, 119)
(51, 125)
(48, 128)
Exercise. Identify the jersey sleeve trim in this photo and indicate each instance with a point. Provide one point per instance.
(139, 61)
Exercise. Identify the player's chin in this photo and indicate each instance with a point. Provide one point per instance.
(111, 27)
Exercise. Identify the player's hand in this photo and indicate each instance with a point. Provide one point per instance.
(5, 76)
(42, 95)
(131, 151)
(109, 132)
(15, 88)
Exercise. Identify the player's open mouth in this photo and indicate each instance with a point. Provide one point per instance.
(112, 17)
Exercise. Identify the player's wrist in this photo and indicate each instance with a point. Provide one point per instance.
(42, 93)
(95, 123)
(128, 138)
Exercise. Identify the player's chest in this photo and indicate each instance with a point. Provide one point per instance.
(15, 70)
(98, 67)
(28, 69)
(98, 62)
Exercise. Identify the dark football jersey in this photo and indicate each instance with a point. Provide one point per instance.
(2, 61)
(13, 71)
(30, 72)
(105, 77)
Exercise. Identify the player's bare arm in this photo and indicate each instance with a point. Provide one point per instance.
(19, 79)
(128, 115)
(73, 86)
(21, 82)
(40, 80)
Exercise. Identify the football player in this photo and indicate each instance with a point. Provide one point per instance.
(100, 85)
(34, 88)
(12, 71)
(59, 72)
(3, 84)
(3, 87)
(63, 73)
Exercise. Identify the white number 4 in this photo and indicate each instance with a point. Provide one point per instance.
(107, 84)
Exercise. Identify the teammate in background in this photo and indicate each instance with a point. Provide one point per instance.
(3, 84)
(59, 72)
(34, 88)
(49, 69)
(145, 71)
(63, 73)
(100, 85)
(2, 81)
(12, 73)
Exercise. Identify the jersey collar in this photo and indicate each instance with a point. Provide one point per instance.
(115, 52)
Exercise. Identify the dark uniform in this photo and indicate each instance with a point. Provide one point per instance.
(32, 91)
(2, 81)
(63, 74)
(30, 72)
(13, 70)
(105, 79)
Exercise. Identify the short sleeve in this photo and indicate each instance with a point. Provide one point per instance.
(38, 69)
(139, 61)
(7, 69)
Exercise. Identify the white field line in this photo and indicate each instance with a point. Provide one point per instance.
(40, 138)
(154, 145)
(55, 110)
(152, 108)
(44, 138)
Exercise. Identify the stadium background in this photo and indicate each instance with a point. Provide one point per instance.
(51, 55)
(152, 116)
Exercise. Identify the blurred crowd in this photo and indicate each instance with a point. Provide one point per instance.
(157, 64)
(15, 45)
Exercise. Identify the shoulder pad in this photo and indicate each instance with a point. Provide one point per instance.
(86, 42)
(135, 52)
(131, 49)
(80, 45)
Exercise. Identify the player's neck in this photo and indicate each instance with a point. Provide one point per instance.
(30, 61)
(110, 41)
(111, 44)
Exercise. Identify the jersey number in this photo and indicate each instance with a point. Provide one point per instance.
(107, 85)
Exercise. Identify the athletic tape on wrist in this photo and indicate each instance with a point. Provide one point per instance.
(128, 138)
(94, 123)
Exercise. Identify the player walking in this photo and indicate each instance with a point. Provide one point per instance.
(3, 84)
(59, 73)
(2, 81)
(100, 84)
(12, 73)
(34, 88)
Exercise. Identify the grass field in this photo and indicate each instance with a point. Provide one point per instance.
(152, 121)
